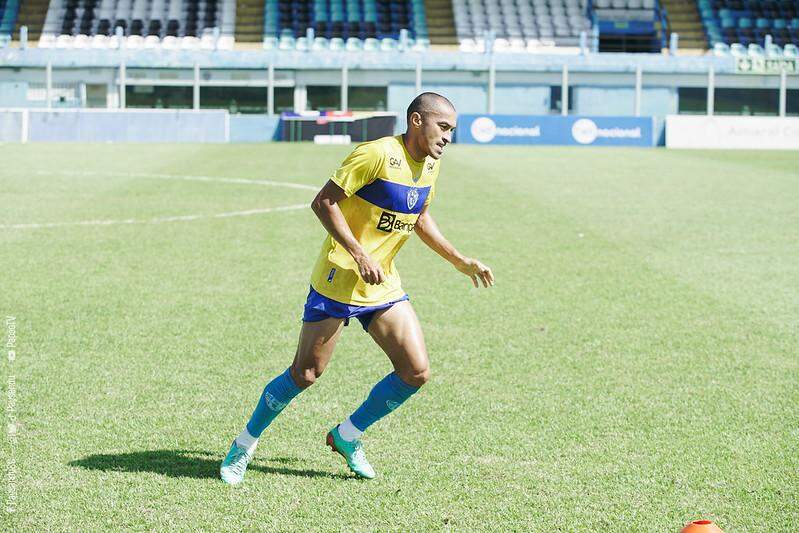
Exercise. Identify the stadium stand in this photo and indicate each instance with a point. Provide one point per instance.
(344, 24)
(629, 25)
(175, 24)
(519, 23)
(8, 19)
(748, 22)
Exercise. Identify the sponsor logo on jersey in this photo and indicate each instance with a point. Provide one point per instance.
(430, 166)
(388, 222)
(394, 162)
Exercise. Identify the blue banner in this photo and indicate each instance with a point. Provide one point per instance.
(555, 130)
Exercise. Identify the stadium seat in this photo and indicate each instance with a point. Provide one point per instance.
(773, 51)
(721, 49)
(752, 19)
(738, 50)
(145, 18)
(519, 20)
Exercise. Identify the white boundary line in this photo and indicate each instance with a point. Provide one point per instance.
(243, 181)
(175, 218)
(156, 220)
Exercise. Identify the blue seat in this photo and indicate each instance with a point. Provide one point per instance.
(744, 22)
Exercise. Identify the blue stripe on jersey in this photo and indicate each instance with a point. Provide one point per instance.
(394, 196)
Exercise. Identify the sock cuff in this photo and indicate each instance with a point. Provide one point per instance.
(399, 386)
(291, 385)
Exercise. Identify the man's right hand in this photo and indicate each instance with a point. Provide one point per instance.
(370, 271)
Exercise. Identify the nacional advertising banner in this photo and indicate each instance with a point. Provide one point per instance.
(732, 132)
(555, 130)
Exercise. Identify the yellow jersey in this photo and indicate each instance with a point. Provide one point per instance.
(386, 190)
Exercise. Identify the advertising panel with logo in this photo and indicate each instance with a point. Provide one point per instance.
(732, 132)
(557, 130)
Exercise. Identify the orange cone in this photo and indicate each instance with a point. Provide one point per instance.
(701, 526)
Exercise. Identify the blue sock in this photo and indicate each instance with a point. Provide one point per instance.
(277, 395)
(389, 393)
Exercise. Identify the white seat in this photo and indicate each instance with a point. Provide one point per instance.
(270, 43)
(47, 40)
(388, 45)
(169, 43)
(226, 42)
(189, 43)
(81, 41)
(738, 50)
(533, 44)
(354, 44)
(63, 41)
(467, 45)
(501, 45)
(134, 42)
(151, 42)
(721, 50)
(421, 45)
(337, 44)
(99, 41)
(517, 44)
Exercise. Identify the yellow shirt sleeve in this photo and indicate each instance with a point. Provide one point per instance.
(359, 168)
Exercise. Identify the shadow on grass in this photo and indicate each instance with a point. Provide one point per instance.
(187, 463)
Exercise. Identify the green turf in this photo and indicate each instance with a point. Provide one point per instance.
(634, 368)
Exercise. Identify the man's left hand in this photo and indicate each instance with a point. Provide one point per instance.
(477, 271)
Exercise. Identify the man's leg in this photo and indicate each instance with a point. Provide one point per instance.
(314, 350)
(398, 332)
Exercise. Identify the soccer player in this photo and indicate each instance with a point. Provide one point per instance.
(369, 207)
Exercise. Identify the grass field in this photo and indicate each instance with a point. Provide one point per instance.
(635, 366)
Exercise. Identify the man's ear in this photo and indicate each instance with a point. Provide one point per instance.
(416, 119)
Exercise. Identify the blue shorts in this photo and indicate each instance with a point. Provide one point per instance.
(319, 307)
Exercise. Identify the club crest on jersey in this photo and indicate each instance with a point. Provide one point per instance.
(413, 197)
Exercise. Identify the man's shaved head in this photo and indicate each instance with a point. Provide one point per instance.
(431, 121)
(427, 103)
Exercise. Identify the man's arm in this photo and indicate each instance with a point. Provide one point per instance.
(428, 231)
(326, 208)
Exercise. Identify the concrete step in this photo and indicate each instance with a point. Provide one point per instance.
(440, 22)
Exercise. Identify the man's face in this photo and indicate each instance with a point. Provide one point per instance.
(436, 130)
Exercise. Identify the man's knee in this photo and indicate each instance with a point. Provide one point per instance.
(305, 377)
(416, 377)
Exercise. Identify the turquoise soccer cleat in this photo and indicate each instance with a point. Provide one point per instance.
(352, 452)
(235, 465)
